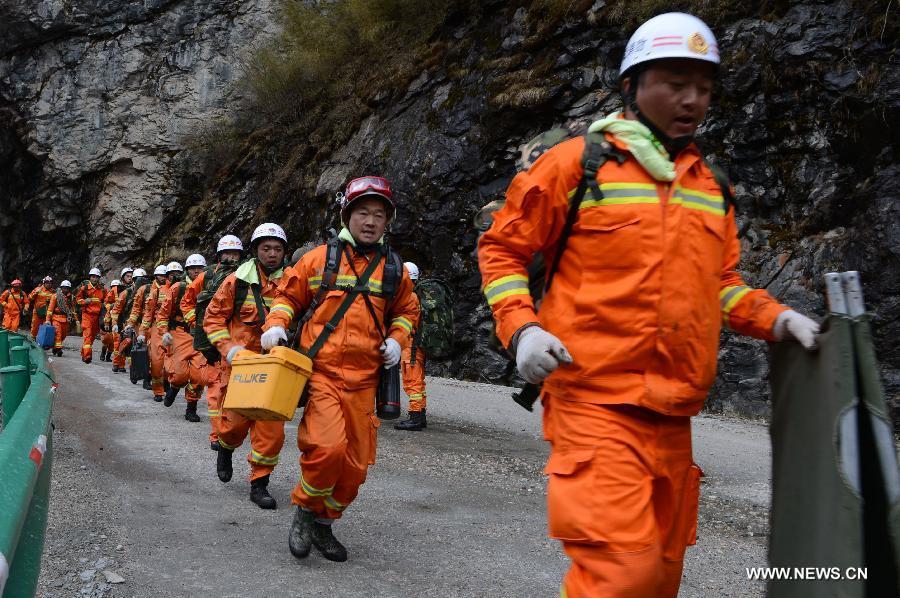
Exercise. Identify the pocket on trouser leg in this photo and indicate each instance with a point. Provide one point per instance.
(689, 508)
(569, 512)
(373, 438)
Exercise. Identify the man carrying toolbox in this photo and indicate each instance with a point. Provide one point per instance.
(337, 434)
(642, 273)
(233, 323)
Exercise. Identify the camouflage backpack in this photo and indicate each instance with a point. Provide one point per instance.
(434, 334)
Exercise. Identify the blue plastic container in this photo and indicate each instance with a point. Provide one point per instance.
(46, 335)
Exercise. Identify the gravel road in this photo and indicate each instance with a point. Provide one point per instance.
(458, 510)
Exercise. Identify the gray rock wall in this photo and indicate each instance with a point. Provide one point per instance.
(97, 100)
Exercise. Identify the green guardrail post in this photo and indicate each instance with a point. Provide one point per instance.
(14, 381)
(19, 356)
(15, 341)
(4, 348)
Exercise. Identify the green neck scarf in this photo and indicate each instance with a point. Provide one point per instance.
(646, 149)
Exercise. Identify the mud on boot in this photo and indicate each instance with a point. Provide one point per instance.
(171, 393)
(415, 422)
(325, 542)
(190, 412)
(259, 493)
(300, 536)
(223, 464)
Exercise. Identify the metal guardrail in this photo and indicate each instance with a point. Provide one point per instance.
(27, 390)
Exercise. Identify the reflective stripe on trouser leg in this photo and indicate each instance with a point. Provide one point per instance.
(266, 441)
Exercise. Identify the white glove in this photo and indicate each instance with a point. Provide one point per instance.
(271, 337)
(390, 352)
(233, 351)
(538, 353)
(167, 339)
(115, 329)
(141, 339)
(790, 324)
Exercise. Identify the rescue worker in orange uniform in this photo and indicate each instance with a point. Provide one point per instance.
(136, 317)
(252, 284)
(203, 373)
(108, 339)
(147, 333)
(337, 435)
(38, 300)
(178, 342)
(61, 313)
(625, 341)
(118, 314)
(89, 298)
(13, 302)
(412, 363)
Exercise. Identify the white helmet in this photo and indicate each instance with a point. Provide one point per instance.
(95, 272)
(670, 35)
(160, 270)
(47, 279)
(65, 283)
(195, 259)
(126, 270)
(413, 270)
(140, 272)
(268, 230)
(229, 243)
(115, 283)
(174, 267)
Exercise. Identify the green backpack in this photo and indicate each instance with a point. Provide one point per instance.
(212, 279)
(434, 334)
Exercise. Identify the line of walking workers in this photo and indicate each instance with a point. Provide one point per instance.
(194, 319)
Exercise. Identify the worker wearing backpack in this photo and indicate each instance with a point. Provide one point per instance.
(38, 300)
(233, 322)
(357, 311)
(433, 336)
(197, 295)
(121, 309)
(644, 250)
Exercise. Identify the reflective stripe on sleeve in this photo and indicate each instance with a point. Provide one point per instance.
(728, 298)
(404, 323)
(218, 335)
(514, 284)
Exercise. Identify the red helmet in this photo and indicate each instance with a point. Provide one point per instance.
(363, 187)
(17, 282)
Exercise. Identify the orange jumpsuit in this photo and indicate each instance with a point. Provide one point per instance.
(202, 373)
(414, 378)
(225, 332)
(646, 279)
(118, 317)
(337, 435)
(180, 356)
(109, 339)
(90, 298)
(13, 303)
(60, 314)
(158, 293)
(39, 299)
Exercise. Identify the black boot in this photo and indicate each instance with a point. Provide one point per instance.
(259, 493)
(147, 385)
(223, 464)
(158, 398)
(415, 422)
(214, 446)
(325, 542)
(102, 353)
(171, 393)
(190, 412)
(300, 537)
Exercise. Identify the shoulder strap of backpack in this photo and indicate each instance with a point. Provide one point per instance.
(241, 289)
(724, 186)
(362, 287)
(329, 279)
(597, 150)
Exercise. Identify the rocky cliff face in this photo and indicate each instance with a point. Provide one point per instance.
(96, 98)
(805, 122)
